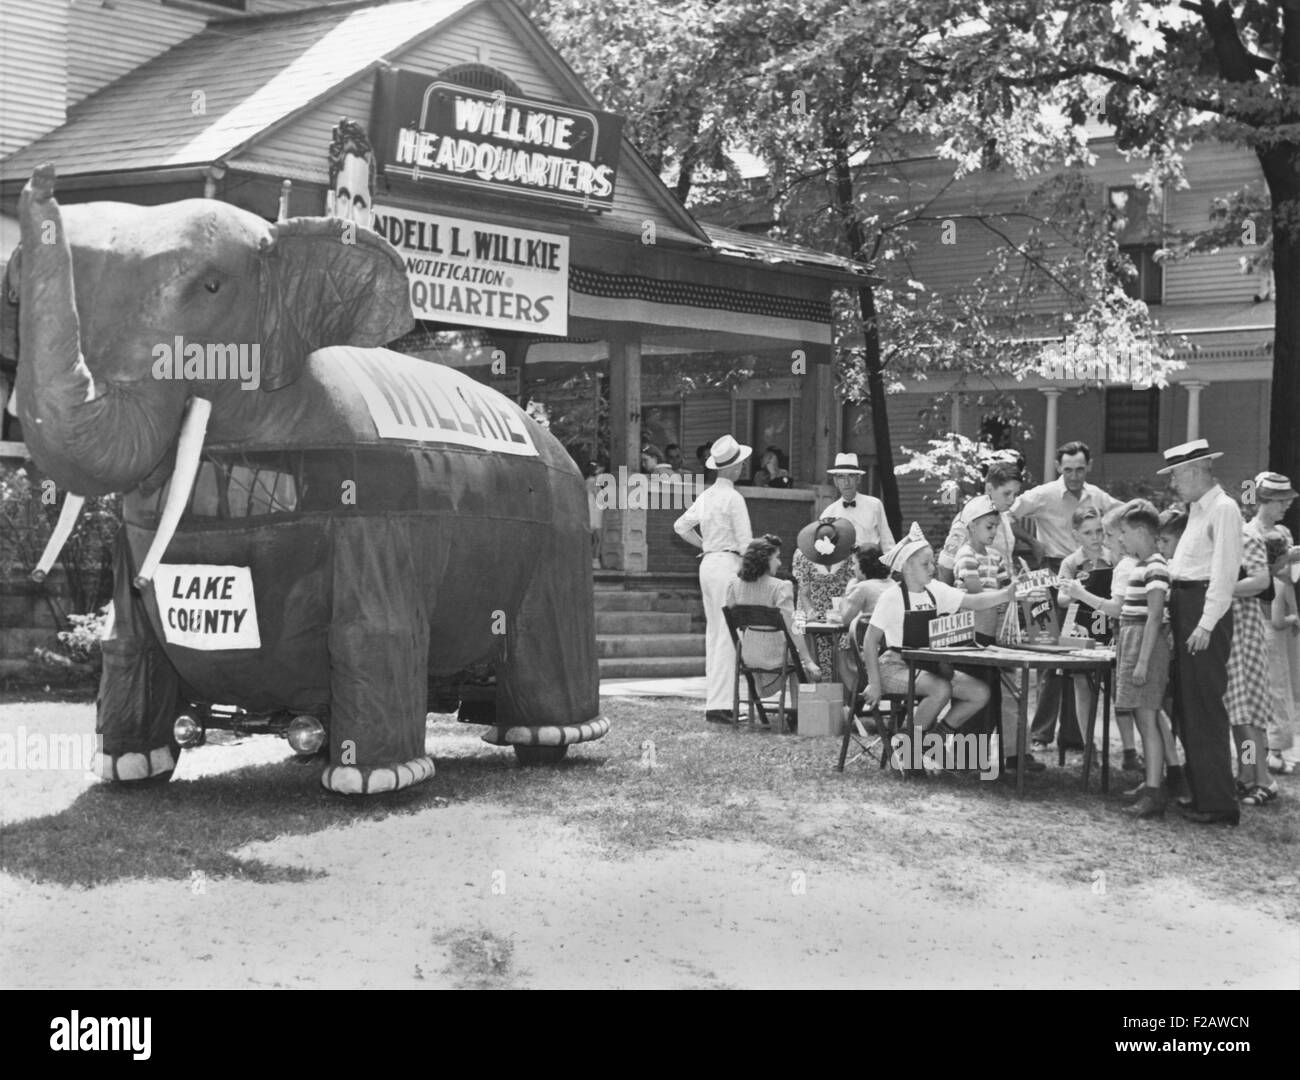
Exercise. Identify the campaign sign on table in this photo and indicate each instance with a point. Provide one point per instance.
(207, 607)
(955, 629)
(1033, 580)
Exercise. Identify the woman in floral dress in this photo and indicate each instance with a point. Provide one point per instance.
(1248, 698)
(823, 577)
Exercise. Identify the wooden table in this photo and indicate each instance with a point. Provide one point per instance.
(1000, 657)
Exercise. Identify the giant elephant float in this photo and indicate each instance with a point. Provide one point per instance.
(316, 530)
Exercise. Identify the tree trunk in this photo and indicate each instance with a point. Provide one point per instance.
(857, 242)
(1280, 171)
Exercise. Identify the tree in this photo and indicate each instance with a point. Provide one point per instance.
(1165, 75)
(830, 95)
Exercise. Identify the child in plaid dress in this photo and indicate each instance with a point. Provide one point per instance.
(1248, 697)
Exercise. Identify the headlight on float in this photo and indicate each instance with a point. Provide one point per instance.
(306, 734)
(188, 730)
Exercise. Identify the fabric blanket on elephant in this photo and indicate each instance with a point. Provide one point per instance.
(313, 525)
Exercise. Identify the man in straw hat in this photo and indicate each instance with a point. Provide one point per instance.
(1203, 572)
(718, 523)
(866, 512)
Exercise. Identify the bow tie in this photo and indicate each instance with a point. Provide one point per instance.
(849, 502)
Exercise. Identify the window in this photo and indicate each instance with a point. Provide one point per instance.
(480, 77)
(1135, 220)
(1149, 284)
(1132, 420)
(661, 425)
(770, 426)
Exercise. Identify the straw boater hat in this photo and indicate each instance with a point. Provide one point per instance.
(913, 542)
(727, 452)
(827, 541)
(1273, 486)
(1196, 450)
(978, 507)
(846, 464)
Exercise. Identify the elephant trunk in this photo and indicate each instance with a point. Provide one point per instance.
(89, 440)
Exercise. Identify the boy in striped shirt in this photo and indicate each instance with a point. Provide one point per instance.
(1142, 649)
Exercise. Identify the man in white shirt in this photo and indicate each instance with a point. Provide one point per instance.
(722, 521)
(1051, 506)
(866, 512)
(1203, 571)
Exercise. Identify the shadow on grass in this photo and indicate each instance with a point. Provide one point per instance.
(177, 830)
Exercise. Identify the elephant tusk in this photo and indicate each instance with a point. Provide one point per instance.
(189, 449)
(68, 515)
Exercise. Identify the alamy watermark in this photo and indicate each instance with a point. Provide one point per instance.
(936, 751)
(213, 362)
(655, 491)
(41, 751)
(1132, 369)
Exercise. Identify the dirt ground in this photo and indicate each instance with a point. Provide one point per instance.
(475, 892)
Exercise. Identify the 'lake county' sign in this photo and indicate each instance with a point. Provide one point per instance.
(428, 130)
(207, 607)
(475, 274)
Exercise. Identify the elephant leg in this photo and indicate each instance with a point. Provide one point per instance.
(379, 662)
(139, 690)
(548, 686)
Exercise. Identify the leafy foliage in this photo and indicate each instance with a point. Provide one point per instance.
(27, 516)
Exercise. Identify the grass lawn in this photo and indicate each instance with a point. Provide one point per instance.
(705, 783)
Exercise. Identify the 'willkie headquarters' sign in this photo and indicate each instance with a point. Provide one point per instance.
(427, 130)
(475, 274)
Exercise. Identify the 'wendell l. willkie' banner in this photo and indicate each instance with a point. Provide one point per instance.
(428, 130)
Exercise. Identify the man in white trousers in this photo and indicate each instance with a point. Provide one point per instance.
(723, 533)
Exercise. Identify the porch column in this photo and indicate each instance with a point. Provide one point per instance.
(1049, 432)
(625, 398)
(1194, 389)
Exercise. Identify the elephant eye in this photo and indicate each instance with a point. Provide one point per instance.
(212, 285)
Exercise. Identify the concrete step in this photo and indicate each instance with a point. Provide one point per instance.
(651, 667)
(625, 601)
(636, 645)
(642, 622)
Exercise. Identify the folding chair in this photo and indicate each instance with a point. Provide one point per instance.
(767, 620)
(869, 727)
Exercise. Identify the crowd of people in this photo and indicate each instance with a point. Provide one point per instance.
(1199, 604)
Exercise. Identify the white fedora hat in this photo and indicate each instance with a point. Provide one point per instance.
(727, 452)
(1196, 450)
(846, 463)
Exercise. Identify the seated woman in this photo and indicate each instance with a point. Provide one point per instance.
(773, 469)
(758, 584)
(899, 619)
(871, 579)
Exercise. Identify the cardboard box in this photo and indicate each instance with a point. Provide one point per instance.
(821, 709)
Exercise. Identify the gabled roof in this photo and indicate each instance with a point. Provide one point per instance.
(215, 96)
(219, 90)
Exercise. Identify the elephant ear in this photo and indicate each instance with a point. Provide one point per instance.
(325, 281)
(9, 307)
